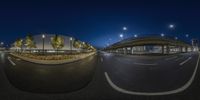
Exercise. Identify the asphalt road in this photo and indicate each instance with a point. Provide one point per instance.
(103, 77)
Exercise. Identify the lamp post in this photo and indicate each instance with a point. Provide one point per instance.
(135, 35)
(2, 44)
(171, 26)
(121, 36)
(70, 40)
(124, 28)
(43, 37)
(162, 34)
(187, 35)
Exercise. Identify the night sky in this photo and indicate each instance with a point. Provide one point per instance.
(98, 22)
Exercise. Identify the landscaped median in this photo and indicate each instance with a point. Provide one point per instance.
(52, 59)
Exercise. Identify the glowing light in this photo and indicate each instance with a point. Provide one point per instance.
(43, 36)
(162, 34)
(2, 43)
(70, 38)
(135, 35)
(124, 28)
(187, 35)
(121, 35)
(171, 26)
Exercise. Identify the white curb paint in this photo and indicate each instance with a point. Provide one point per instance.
(11, 61)
(154, 93)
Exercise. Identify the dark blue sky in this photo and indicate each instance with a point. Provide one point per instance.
(98, 21)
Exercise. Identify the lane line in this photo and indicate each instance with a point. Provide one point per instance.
(115, 87)
(101, 59)
(171, 58)
(11, 61)
(179, 58)
(185, 61)
(146, 64)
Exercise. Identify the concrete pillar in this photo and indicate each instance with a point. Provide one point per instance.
(125, 50)
(181, 49)
(132, 51)
(167, 49)
(186, 49)
(163, 51)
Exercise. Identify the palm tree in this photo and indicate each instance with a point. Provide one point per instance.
(19, 43)
(57, 42)
(29, 42)
(86, 46)
(77, 44)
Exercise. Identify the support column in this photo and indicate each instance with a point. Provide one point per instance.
(167, 49)
(163, 52)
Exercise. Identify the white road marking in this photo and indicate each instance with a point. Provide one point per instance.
(11, 61)
(101, 59)
(146, 64)
(179, 58)
(155, 93)
(171, 58)
(185, 61)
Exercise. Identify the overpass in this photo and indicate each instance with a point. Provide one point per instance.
(150, 45)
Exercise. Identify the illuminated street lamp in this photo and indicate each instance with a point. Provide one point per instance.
(162, 34)
(43, 37)
(187, 35)
(70, 41)
(1, 44)
(171, 26)
(121, 36)
(124, 28)
(135, 35)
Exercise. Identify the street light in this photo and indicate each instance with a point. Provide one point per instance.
(43, 37)
(162, 34)
(124, 28)
(187, 35)
(70, 39)
(121, 36)
(135, 35)
(171, 26)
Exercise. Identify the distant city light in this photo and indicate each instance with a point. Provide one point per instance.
(2, 43)
(121, 35)
(124, 28)
(187, 35)
(135, 35)
(162, 34)
(171, 26)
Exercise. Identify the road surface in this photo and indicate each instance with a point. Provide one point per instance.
(102, 77)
